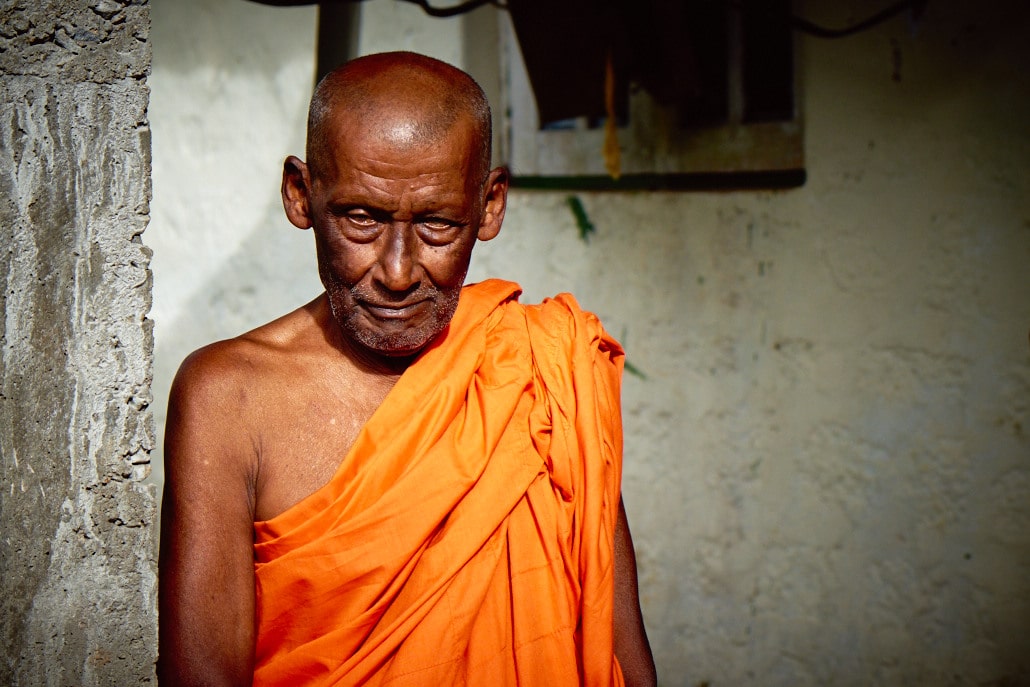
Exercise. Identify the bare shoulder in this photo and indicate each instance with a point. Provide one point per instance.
(222, 395)
(235, 376)
(272, 411)
(246, 360)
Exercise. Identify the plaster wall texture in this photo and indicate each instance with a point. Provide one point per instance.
(230, 89)
(827, 455)
(77, 578)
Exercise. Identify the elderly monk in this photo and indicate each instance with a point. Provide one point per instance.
(404, 482)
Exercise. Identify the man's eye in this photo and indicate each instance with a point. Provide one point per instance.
(438, 232)
(361, 220)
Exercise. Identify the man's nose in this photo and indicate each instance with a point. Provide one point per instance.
(398, 257)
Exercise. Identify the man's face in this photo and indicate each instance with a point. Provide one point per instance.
(395, 222)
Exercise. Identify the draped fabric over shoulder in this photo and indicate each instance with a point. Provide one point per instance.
(466, 538)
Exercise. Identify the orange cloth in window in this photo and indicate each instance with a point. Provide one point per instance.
(466, 538)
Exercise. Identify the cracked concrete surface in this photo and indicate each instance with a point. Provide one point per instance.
(77, 578)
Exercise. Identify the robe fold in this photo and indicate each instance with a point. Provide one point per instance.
(467, 536)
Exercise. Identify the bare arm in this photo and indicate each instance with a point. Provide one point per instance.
(631, 645)
(206, 569)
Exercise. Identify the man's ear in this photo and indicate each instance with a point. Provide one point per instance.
(295, 190)
(495, 200)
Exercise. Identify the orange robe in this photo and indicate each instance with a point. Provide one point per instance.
(466, 538)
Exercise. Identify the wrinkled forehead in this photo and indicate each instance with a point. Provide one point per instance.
(394, 133)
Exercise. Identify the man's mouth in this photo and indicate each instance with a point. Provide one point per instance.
(391, 311)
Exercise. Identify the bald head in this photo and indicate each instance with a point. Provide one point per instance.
(401, 98)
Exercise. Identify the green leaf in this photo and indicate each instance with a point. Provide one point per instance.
(586, 227)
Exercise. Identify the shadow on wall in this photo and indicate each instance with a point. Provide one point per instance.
(229, 91)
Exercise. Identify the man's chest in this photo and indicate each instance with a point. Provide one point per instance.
(301, 443)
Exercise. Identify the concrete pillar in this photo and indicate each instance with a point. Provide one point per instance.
(77, 573)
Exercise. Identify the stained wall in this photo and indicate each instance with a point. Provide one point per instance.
(77, 578)
(827, 455)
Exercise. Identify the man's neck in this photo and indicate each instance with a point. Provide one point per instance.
(366, 360)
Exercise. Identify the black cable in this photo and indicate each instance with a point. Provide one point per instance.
(424, 4)
(805, 26)
(457, 9)
(799, 23)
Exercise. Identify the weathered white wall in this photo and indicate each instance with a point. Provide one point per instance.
(229, 101)
(828, 461)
